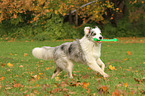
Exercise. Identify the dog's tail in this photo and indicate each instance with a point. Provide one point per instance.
(45, 53)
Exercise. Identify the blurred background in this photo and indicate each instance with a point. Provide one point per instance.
(66, 19)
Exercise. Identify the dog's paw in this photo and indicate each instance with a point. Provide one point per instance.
(105, 75)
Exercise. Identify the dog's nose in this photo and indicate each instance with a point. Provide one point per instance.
(100, 38)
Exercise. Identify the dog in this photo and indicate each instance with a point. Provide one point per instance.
(84, 50)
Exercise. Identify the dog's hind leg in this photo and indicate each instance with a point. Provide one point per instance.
(99, 61)
(57, 70)
(65, 64)
(69, 69)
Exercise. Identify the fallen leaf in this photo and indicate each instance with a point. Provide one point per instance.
(129, 53)
(57, 79)
(64, 90)
(127, 69)
(85, 85)
(139, 80)
(25, 91)
(9, 64)
(40, 73)
(88, 91)
(38, 77)
(55, 90)
(2, 78)
(21, 66)
(25, 54)
(16, 54)
(112, 67)
(17, 85)
(102, 89)
(130, 93)
(125, 84)
(32, 94)
(116, 93)
(71, 92)
(2, 64)
(125, 59)
(9, 87)
(47, 68)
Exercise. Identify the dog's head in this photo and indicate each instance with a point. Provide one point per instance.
(92, 33)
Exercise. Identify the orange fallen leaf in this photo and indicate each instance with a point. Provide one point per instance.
(104, 88)
(38, 77)
(9, 64)
(85, 85)
(25, 91)
(17, 85)
(71, 92)
(129, 53)
(21, 66)
(2, 64)
(2, 78)
(127, 69)
(25, 54)
(57, 79)
(55, 90)
(117, 93)
(40, 73)
(16, 54)
(125, 84)
(112, 67)
(88, 91)
(125, 59)
(47, 68)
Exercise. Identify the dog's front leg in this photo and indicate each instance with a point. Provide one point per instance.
(99, 61)
(94, 66)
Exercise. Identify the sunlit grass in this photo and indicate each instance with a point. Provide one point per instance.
(22, 74)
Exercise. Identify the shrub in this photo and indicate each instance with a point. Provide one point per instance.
(55, 29)
(124, 29)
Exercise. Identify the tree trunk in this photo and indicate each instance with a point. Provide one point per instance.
(70, 17)
(76, 18)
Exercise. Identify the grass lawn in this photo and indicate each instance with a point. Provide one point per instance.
(22, 74)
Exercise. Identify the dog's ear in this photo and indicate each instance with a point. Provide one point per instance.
(86, 30)
(96, 26)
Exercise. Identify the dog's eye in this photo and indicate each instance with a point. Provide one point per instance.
(93, 34)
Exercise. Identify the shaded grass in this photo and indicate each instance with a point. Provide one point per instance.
(31, 76)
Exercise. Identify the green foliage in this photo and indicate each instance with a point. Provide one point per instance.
(55, 29)
(124, 29)
(12, 31)
(43, 20)
(50, 29)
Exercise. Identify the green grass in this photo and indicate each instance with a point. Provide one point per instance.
(30, 76)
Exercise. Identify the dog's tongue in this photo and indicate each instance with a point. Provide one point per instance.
(98, 41)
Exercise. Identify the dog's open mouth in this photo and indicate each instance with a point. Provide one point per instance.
(98, 41)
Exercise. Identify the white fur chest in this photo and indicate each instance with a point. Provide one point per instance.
(90, 49)
(96, 51)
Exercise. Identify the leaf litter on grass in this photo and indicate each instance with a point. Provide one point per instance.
(88, 83)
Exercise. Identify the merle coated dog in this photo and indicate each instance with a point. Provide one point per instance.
(85, 51)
